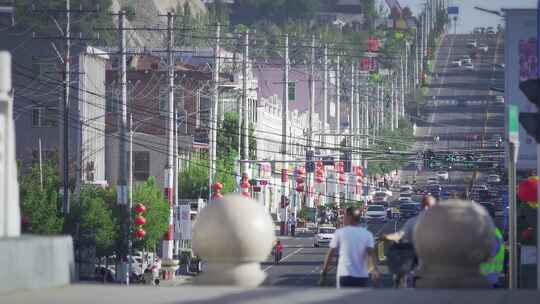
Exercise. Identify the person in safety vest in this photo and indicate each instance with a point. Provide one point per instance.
(492, 268)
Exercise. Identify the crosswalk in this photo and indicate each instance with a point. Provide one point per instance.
(453, 102)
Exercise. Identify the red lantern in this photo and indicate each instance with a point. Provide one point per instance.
(341, 178)
(319, 179)
(528, 190)
(140, 220)
(284, 175)
(244, 185)
(217, 186)
(300, 171)
(299, 180)
(359, 171)
(319, 172)
(300, 188)
(140, 233)
(140, 208)
(527, 234)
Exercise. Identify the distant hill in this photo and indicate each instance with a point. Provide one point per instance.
(146, 14)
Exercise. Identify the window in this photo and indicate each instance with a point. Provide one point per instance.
(141, 165)
(40, 69)
(45, 117)
(292, 91)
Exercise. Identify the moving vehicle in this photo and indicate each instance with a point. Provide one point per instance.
(456, 62)
(406, 189)
(469, 67)
(432, 180)
(493, 178)
(376, 212)
(472, 43)
(324, 235)
(442, 175)
(484, 48)
(379, 197)
(409, 210)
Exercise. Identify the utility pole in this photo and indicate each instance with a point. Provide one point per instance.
(284, 132)
(245, 105)
(338, 101)
(214, 114)
(325, 95)
(311, 113)
(353, 113)
(67, 79)
(392, 120)
(168, 243)
(40, 165)
(121, 186)
(175, 176)
(402, 87)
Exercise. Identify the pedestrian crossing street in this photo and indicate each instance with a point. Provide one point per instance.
(453, 102)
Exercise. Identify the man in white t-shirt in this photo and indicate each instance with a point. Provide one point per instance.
(354, 245)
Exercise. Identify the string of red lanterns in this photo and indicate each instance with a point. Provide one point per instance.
(140, 233)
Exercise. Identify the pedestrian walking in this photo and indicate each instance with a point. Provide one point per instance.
(354, 245)
(278, 252)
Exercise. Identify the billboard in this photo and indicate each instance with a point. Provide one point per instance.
(453, 10)
(520, 63)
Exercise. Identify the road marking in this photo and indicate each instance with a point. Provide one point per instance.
(284, 258)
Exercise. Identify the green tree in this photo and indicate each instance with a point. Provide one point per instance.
(84, 23)
(157, 212)
(91, 220)
(41, 207)
(193, 180)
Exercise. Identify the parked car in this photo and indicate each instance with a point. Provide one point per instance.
(324, 235)
(406, 189)
(442, 175)
(469, 67)
(456, 62)
(466, 59)
(376, 212)
(499, 99)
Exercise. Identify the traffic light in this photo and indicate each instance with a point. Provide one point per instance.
(529, 121)
(310, 163)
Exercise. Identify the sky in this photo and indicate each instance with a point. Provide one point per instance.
(469, 17)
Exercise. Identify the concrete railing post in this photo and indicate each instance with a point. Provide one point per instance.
(10, 217)
(452, 239)
(233, 234)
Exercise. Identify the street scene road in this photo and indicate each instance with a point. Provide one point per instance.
(461, 112)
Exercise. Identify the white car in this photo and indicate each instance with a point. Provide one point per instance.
(456, 63)
(469, 67)
(380, 197)
(484, 48)
(472, 43)
(466, 60)
(442, 175)
(406, 189)
(376, 212)
(388, 192)
(493, 178)
(324, 235)
(433, 181)
(499, 99)
(477, 188)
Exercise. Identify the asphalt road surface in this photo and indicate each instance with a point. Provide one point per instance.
(462, 106)
(301, 263)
